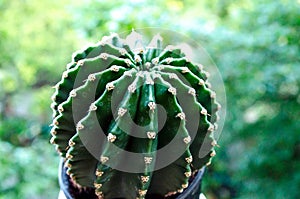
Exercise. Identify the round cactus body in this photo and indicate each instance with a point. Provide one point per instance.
(130, 120)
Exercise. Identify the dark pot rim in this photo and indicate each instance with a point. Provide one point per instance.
(192, 192)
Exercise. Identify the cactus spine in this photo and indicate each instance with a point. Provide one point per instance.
(119, 88)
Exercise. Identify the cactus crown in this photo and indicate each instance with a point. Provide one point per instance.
(109, 103)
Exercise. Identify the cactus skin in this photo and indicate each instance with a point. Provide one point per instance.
(142, 79)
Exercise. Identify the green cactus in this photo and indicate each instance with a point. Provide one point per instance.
(119, 88)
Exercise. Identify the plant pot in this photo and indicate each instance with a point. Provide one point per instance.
(71, 192)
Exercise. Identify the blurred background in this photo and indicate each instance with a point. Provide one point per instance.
(254, 43)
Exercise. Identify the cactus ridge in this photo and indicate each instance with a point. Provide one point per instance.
(174, 130)
(117, 86)
(77, 149)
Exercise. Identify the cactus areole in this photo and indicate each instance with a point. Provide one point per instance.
(131, 121)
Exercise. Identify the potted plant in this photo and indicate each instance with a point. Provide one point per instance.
(129, 121)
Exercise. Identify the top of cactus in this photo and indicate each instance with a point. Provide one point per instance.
(132, 120)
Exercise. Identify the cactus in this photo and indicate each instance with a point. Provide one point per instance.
(118, 88)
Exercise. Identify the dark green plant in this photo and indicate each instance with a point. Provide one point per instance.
(113, 85)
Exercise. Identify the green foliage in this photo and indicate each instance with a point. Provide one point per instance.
(32, 53)
(262, 133)
(24, 173)
(254, 43)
